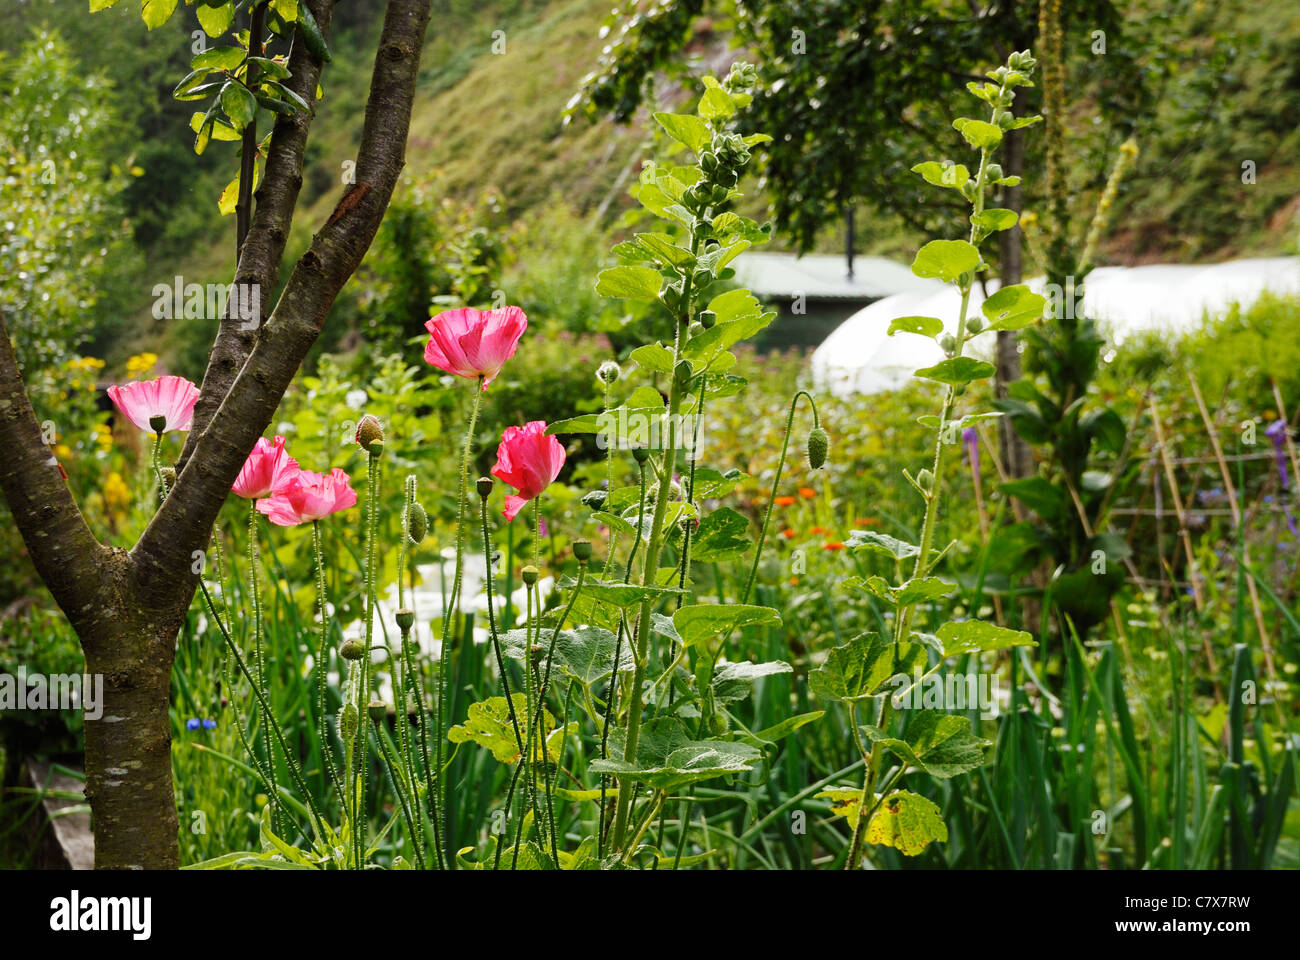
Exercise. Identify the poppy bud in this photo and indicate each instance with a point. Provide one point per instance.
(417, 523)
(582, 550)
(594, 499)
(169, 476)
(529, 574)
(348, 722)
(640, 454)
(352, 650)
(925, 480)
(484, 487)
(405, 619)
(369, 430)
(818, 444)
(608, 372)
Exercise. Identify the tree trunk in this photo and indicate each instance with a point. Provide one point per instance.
(128, 749)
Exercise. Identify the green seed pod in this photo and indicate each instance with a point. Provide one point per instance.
(707, 319)
(369, 431)
(640, 454)
(378, 710)
(582, 550)
(529, 574)
(818, 445)
(974, 324)
(348, 722)
(484, 487)
(405, 619)
(717, 724)
(417, 523)
(352, 650)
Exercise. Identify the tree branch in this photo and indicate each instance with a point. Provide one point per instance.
(263, 247)
(65, 552)
(185, 519)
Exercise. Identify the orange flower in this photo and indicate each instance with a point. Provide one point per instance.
(866, 522)
(788, 532)
(784, 501)
(816, 530)
(833, 546)
(807, 492)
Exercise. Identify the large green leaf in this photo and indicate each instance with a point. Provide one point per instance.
(907, 822)
(978, 133)
(945, 259)
(239, 104)
(586, 654)
(941, 744)
(216, 20)
(881, 543)
(857, 669)
(783, 729)
(973, 636)
(922, 326)
(622, 594)
(905, 594)
(219, 58)
(706, 621)
(1013, 307)
(156, 12)
(488, 724)
(735, 681)
(952, 175)
(629, 283)
(689, 131)
(667, 757)
(723, 535)
(958, 370)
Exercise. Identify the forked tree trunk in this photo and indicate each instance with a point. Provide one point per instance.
(127, 607)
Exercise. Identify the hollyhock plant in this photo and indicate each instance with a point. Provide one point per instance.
(529, 460)
(266, 469)
(305, 496)
(473, 343)
(147, 403)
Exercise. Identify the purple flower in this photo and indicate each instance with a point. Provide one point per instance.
(194, 723)
(970, 439)
(1277, 433)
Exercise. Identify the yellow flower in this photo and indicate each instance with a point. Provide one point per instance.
(63, 451)
(104, 436)
(140, 365)
(116, 493)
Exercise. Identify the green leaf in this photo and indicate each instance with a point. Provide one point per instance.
(488, 724)
(1012, 308)
(689, 131)
(881, 543)
(1037, 493)
(909, 592)
(661, 246)
(975, 636)
(941, 744)
(239, 104)
(215, 21)
(156, 12)
(706, 621)
(667, 758)
(219, 58)
(310, 30)
(906, 822)
(945, 260)
(943, 175)
(629, 283)
(716, 104)
(857, 669)
(978, 133)
(623, 595)
(994, 219)
(710, 483)
(586, 654)
(734, 304)
(723, 535)
(923, 326)
(98, 5)
(844, 802)
(779, 731)
(733, 682)
(655, 357)
(957, 370)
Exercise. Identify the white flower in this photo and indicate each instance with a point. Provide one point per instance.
(355, 400)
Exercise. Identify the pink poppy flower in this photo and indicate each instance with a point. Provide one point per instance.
(474, 343)
(529, 461)
(305, 496)
(171, 398)
(266, 469)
